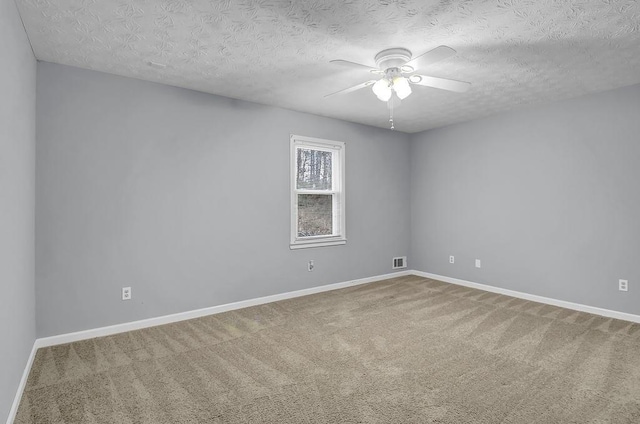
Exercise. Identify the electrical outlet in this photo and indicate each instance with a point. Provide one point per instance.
(452, 259)
(623, 285)
(310, 266)
(478, 263)
(126, 293)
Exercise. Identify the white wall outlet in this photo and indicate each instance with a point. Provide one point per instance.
(478, 263)
(623, 285)
(126, 293)
(452, 260)
(310, 265)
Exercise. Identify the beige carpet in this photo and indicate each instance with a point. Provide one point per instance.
(406, 350)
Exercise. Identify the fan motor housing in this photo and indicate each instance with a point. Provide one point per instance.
(393, 58)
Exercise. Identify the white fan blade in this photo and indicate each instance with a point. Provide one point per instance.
(441, 83)
(354, 88)
(354, 65)
(432, 56)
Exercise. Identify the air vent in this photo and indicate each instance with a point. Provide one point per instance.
(399, 262)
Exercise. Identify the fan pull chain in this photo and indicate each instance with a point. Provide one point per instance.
(391, 115)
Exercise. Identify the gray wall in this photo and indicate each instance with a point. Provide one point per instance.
(547, 197)
(17, 145)
(184, 196)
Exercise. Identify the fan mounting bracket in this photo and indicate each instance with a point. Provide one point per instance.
(392, 58)
(392, 73)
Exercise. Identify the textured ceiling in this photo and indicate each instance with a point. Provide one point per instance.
(514, 52)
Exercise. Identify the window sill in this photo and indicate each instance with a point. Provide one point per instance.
(319, 243)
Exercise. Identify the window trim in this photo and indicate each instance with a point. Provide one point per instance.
(339, 216)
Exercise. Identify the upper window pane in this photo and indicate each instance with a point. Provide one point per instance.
(313, 169)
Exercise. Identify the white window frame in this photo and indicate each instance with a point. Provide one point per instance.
(339, 235)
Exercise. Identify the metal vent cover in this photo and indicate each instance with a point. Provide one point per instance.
(399, 262)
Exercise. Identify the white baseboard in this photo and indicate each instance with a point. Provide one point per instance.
(167, 319)
(534, 298)
(23, 382)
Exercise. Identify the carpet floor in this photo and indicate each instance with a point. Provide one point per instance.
(404, 350)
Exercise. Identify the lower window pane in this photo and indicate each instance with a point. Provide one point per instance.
(315, 215)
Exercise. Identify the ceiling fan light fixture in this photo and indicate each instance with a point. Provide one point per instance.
(401, 87)
(382, 90)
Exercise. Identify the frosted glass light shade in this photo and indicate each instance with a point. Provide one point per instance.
(401, 87)
(382, 90)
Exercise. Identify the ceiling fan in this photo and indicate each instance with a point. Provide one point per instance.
(397, 68)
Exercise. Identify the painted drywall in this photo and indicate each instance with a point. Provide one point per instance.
(184, 196)
(17, 162)
(546, 197)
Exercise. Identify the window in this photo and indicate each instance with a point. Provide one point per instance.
(317, 192)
